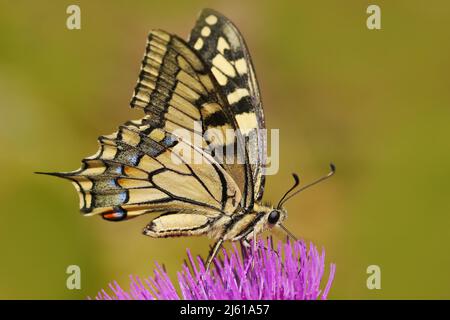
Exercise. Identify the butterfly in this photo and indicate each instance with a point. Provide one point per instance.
(206, 84)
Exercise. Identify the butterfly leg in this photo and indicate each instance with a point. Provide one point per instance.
(248, 245)
(213, 253)
(254, 249)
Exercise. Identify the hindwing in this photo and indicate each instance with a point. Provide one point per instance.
(136, 171)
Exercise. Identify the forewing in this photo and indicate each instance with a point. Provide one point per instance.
(177, 91)
(223, 49)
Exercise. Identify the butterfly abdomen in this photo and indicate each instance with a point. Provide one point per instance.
(175, 224)
(235, 227)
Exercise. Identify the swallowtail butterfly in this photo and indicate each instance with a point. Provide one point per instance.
(208, 80)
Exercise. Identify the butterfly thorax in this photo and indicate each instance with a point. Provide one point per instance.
(245, 225)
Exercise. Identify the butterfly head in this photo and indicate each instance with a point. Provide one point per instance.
(275, 216)
(272, 217)
(266, 217)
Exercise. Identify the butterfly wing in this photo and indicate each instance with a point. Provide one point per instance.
(178, 91)
(223, 49)
(134, 171)
(137, 171)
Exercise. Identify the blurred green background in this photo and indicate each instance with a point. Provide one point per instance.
(376, 103)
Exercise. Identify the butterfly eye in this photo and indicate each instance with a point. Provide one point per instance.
(274, 216)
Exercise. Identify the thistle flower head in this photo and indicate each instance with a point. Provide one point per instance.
(291, 271)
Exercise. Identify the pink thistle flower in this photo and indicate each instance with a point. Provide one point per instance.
(292, 271)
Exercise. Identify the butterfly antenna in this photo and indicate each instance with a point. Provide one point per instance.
(331, 173)
(290, 234)
(296, 183)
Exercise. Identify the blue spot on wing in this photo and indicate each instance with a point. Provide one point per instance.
(169, 141)
(134, 159)
(112, 183)
(118, 169)
(122, 197)
(129, 157)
